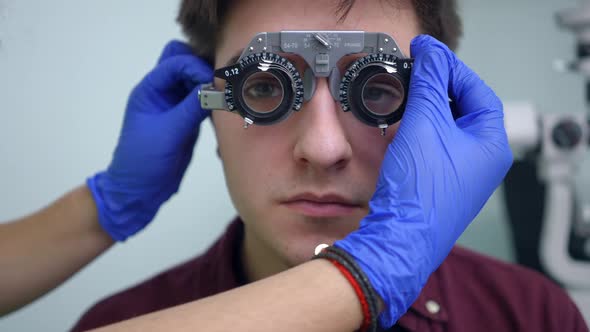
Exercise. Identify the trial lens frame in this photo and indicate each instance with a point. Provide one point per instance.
(321, 50)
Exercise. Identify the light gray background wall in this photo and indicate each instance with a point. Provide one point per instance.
(66, 68)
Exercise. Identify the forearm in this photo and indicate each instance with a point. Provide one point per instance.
(311, 297)
(40, 251)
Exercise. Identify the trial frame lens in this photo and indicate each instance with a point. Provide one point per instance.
(263, 92)
(383, 94)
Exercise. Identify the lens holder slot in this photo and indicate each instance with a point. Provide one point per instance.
(362, 71)
(280, 68)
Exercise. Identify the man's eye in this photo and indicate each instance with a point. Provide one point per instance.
(263, 89)
(376, 92)
(383, 98)
(262, 92)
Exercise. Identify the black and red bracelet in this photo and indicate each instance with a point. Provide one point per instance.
(356, 277)
(359, 292)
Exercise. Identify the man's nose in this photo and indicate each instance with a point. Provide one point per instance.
(322, 142)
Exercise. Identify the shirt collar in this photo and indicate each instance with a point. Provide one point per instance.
(221, 268)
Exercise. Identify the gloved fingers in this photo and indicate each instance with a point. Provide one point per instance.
(478, 110)
(173, 48)
(470, 94)
(483, 123)
(191, 113)
(186, 69)
(429, 84)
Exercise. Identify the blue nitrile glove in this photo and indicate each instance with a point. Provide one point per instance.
(159, 131)
(436, 176)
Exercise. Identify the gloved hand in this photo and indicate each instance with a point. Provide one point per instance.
(159, 131)
(436, 176)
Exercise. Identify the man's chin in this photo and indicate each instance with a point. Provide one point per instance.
(302, 251)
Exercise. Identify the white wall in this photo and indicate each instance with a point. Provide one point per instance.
(67, 66)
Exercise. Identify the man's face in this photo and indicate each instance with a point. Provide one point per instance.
(308, 179)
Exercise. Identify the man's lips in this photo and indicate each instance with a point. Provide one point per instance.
(327, 205)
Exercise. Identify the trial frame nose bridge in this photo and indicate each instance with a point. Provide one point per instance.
(310, 83)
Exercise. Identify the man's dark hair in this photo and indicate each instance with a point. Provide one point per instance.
(201, 21)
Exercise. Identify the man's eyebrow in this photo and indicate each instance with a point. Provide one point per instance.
(233, 59)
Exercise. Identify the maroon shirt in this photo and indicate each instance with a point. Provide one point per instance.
(469, 292)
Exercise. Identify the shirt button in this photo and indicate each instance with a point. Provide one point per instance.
(432, 307)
